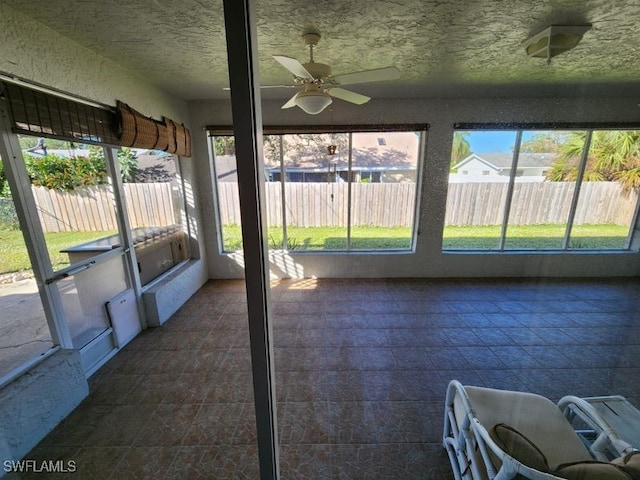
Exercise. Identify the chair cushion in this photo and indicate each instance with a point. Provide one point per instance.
(591, 471)
(519, 447)
(630, 463)
(535, 417)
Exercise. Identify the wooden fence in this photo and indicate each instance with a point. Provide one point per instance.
(538, 203)
(325, 204)
(93, 209)
(392, 204)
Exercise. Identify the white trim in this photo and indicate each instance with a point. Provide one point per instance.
(35, 242)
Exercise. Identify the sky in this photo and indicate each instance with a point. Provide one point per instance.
(494, 141)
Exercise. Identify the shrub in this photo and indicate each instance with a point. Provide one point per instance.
(8, 216)
(61, 173)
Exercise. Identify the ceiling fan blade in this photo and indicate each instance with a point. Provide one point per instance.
(294, 66)
(376, 75)
(269, 86)
(348, 96)
(279, 86)
(290, 103)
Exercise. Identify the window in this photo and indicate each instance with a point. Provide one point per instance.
(24, 332)
(73, 195)
(370, 177)
(381, 141)
(361, 197)
(486, 172)
(561, 190)
(153, 192)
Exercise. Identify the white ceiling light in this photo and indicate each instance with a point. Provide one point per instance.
(554, 40)
(313, 100)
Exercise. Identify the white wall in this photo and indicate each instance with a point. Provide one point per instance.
(428, 260)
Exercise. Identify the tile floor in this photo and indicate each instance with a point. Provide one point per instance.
(362, 367)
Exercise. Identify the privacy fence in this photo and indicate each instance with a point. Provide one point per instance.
(392, 204)
(325, 205)
(92, 208)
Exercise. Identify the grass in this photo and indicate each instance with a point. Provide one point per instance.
(335, 238)
(535, 237)
(527, 237)
(14, 256)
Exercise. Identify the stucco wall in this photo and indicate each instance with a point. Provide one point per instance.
(24, 414)
(34, 52)
(428, 260)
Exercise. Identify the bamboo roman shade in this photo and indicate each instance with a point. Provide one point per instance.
(136, 130)
(40, 113)
(37, 112)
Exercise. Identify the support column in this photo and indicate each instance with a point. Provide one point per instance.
(240, 26)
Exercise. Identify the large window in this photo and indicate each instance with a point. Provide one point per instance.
(74, 198)
(542, 189)
(328, 191)
(76, 206)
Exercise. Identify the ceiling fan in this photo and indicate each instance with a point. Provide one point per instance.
(319, 86)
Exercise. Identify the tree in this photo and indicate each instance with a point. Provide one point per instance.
(461, 148)
(225, 145)
(4, 184)
(128, 164)
(313, 145)
(544, 142)
(271, 150)
(614, 155)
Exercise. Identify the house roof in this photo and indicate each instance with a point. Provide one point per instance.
(370, 151)
(502, 161)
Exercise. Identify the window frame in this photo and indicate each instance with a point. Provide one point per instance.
(421, 128)
(518, 129)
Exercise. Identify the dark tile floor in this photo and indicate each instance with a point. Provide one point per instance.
(362, 367)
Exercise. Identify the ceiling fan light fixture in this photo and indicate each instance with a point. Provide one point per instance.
(313, 101)
(555, 40)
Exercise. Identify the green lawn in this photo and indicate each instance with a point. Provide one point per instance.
(14, 256)
(535, 237)
(528, 237)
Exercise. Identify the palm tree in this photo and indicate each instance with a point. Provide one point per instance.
(461, 148)
(614, 156)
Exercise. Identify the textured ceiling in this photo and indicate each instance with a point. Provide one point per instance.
(443, 48)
